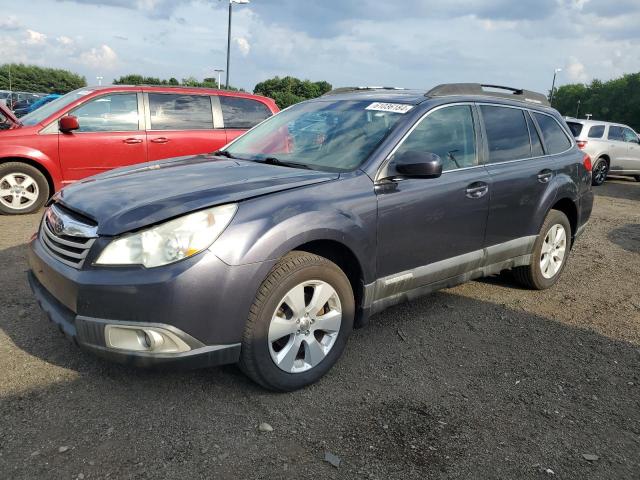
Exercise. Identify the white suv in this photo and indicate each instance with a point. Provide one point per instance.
(614, 148)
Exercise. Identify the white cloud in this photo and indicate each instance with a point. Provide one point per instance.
(576, 71)
(64, 40)
(35, 38)
(243, 45)
(103, 57)
(10, 23)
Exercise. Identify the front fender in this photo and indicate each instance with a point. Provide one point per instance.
(18, 152)
(267, 228)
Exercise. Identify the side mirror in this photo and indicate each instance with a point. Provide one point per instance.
(68, 123)
(418, 164)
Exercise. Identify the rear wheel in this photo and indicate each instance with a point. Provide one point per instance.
(550, 253)
(599, 172)
(23, 188)
(298, 324)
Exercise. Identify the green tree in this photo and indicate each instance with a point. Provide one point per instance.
(616, 100)
(289, 90)
(135, 79)
(31, 78)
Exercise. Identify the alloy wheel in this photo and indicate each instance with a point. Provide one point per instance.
(18, 191)
(553, 251)
(600, 172)
(305, 326)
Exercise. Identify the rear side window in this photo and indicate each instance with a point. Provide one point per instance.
(596, 131)
(242, 113)
(507, 133)
(576, 128)
(536, 144)
(555, 139)
(615, 133)
(180, 112)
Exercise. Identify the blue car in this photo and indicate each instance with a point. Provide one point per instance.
(19, 112)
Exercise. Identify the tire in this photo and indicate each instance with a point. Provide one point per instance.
(533, 275)
(262, 345)
(600, 171)
(15, 199)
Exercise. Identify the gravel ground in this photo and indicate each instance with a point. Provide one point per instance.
(485, 380)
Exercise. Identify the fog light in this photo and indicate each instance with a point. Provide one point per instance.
(143, 339)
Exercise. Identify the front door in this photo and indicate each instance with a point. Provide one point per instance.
(181, 124)
(631, 162)
(110, 136)
(432, 229)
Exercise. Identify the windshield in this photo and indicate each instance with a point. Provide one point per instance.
(322, 135)
(50, 108)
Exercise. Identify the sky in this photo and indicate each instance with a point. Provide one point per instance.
(408, 43)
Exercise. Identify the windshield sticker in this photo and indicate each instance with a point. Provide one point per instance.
(390, 107)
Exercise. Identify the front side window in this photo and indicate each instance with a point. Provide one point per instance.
(507, 133)
(596, 131)
(180, 112)
(629, 135)
(555, 139)
(449, 133)
(325, 135)
(242, 113)
(109, 113)
(615, 133)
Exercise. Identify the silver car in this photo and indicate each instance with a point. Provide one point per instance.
(614, 148)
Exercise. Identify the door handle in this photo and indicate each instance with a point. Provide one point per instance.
(477, 190)
(132, 140)
(160, 140)
(545, 175)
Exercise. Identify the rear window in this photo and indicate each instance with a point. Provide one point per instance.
(507, 133)
(555, 139)
(536, 143)
(576, 128)
(180, 112)
(242, 113)
(596, 131)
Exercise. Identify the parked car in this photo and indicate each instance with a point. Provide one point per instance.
(21, 99)
(4, 95)
(269, 251)
(615, 148)
(92, 130)
(28, 108)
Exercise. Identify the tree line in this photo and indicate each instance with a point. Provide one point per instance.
(616, 100)
(31, 78)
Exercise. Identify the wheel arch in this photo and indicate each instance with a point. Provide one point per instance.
(35, 164)
(567, 206)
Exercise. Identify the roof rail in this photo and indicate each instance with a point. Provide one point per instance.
(337, 91)
(518, 94)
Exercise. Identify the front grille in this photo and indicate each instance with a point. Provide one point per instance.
(70, 250)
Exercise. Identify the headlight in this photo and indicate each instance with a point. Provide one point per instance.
(170, 241)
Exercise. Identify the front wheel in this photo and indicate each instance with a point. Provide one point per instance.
(23, 188)
(550, 253)
(298, 324)
(599, 173)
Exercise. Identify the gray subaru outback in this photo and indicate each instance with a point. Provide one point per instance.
(267, 253)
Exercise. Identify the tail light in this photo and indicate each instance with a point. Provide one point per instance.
(586, 161)
(581, 144)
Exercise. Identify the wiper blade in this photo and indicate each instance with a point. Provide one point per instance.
(277, 161)
(223, 153)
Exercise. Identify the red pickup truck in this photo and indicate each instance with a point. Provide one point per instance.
(94, 129)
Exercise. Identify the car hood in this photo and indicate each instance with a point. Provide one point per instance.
(10, 116)
(134, 197)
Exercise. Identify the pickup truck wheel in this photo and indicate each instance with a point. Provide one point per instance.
(298, 324)
(550, 253)
(599, 172)
(23, 188)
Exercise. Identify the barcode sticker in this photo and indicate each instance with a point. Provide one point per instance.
(390, 107)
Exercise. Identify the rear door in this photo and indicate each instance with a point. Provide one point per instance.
(240, 114)
(521, 176)
(111, 135)
(182, 124)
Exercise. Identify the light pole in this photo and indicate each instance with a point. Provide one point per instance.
(231, 2)
(553, 85)
(218, 71)
(578, 109)
(99, 78)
